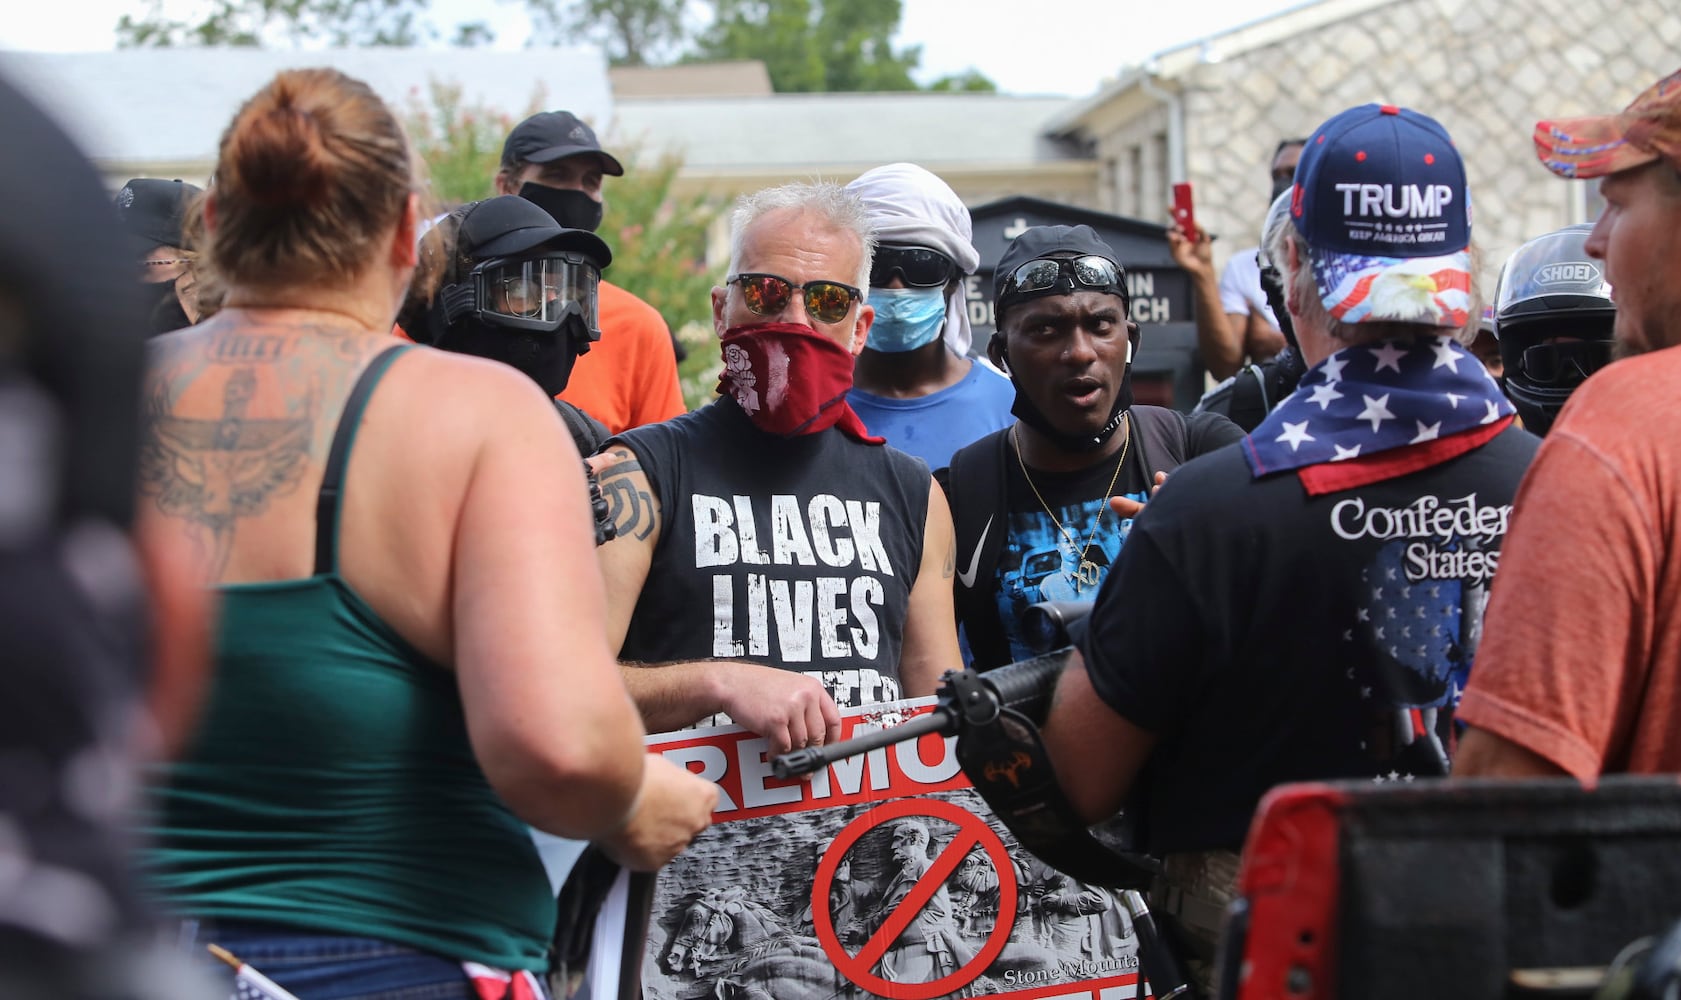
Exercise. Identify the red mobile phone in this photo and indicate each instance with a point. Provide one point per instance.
(1182, 212)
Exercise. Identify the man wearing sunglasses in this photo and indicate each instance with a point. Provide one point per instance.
(773, 558)
(1578, 671)
(914, 384)
(1032, 501)
(1306, 606)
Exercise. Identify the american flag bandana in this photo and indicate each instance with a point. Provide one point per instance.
(1365, 400)
(496, 984)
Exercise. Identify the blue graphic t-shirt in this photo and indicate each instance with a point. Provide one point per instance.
(1042, 562)
(1060, 537)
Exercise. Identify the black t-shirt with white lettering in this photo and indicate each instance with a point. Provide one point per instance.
(797, 552)
(1266, 636)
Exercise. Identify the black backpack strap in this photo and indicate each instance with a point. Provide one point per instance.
(588, 433)
(338, 456)
(978, 491)
(1163, 438)
(1250, 405)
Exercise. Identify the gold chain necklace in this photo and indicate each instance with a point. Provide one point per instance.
(1088, 572)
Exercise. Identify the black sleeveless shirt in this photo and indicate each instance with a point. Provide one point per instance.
(795, 552)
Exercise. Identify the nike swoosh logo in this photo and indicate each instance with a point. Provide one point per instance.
(968, 579)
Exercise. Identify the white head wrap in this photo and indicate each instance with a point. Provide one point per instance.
(912, 207)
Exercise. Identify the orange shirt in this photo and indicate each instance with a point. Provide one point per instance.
(1580, 659)
(629, 376)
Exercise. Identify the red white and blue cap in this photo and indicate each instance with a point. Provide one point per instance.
(1648, 129)
(1381, 201)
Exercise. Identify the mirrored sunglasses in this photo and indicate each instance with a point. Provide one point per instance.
(769, 295)
(1047, 273)
(917, 267)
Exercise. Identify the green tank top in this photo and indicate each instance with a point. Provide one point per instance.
(331, 786)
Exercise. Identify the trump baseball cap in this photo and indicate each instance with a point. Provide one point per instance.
(1381, 201)
(1648, 129)
(554, 135)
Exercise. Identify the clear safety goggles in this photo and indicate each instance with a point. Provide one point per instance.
(537, 293)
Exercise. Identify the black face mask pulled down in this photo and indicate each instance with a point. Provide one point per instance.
(546, 358)
(571, 209)
(1030, 414)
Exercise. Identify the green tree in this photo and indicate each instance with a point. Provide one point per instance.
(813, 45)
(461, 144)
(257, 23)
(970, 81)
(658, 236)
(659, 242)
(631, 32)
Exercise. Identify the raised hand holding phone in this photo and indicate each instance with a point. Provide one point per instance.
(1183, 213)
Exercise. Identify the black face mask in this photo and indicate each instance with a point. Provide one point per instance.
(572, 209)
(1279, 186)
(165, 314)
(1028, 413)
(546, 358)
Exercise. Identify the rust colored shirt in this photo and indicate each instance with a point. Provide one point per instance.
(629, 376)
(1580, 658)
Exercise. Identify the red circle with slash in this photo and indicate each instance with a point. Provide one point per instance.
(971, 830)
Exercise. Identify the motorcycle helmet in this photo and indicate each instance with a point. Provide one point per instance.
(1553, 314)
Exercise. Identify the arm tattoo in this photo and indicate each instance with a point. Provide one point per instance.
(948, 567)
(629, 507)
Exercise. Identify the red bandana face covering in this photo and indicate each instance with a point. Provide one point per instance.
(790, 380)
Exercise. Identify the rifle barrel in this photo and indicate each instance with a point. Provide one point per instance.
(813, 759)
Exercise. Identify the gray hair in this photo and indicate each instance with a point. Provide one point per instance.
(1300, 286)
(842, 210)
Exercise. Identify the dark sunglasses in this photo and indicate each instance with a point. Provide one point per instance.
(1047, 273)
(769, 294)
(917, 267)
(1565, 360)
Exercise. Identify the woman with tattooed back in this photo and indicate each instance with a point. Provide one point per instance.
(398, 581)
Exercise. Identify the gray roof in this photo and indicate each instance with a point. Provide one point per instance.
(795, 130)
(171, 105)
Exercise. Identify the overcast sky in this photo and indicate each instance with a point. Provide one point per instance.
(1025, 46)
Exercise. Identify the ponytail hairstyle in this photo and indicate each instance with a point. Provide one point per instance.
(311, 175)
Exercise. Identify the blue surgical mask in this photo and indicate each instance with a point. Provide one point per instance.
(906, 318)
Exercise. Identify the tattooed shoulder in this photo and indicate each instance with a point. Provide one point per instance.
(630, 506)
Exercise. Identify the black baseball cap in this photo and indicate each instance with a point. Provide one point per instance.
(508, 225)
(1049, 241)
(154, 212)
(555, 135)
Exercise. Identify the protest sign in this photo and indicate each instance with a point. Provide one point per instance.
(885, 875)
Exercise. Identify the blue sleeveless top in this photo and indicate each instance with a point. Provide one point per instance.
(331, 786)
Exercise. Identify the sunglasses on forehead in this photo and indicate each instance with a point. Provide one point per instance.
(917, 267)
(769, 295)
(1047, 274)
